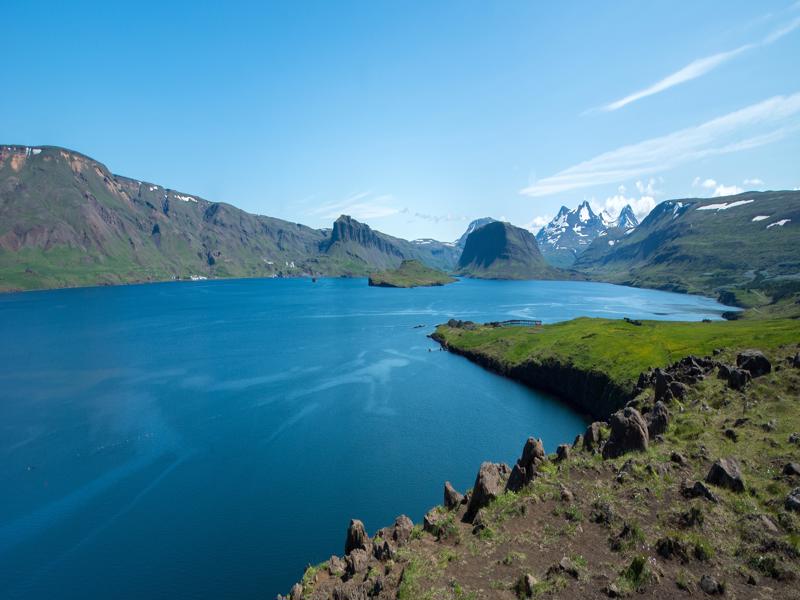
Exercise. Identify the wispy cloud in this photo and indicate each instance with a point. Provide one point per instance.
(754, 181)
(698, 68)
(449, 217)
(362, 206)
(756, 125)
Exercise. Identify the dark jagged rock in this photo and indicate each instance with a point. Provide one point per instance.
(336, 566)
(356, 537)
(356, 562)
(525, 467)
(562, 452)
(711, 586)
(669, 547)
(726, 473)
(677, 457)
(754, 362)
(737, 378)
(578, 443)
(452, 499)
(791, 469)
(593, 436)
(698, 490)
(793, 500)
(796, 361)
(401, 531)
(628, 433)
(488, 485)
(657, 420)
(382, 550)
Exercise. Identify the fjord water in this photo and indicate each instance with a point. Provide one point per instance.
(209, 439)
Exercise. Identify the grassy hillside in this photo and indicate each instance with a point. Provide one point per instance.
(66, 220)
(410, 273)
(735, 243)
(617, 348)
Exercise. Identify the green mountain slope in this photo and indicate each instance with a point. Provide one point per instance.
(502, 251)
(750, 240)
(66, 220)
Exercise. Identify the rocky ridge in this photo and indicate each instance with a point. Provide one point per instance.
(635, 504)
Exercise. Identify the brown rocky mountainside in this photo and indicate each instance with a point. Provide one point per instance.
(66, 220)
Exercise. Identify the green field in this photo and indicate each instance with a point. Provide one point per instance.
(619, 349)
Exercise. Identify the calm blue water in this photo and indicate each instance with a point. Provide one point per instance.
(209, 439)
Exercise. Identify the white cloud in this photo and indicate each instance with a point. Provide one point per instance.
(691, 71)
(437, 218)
(726, 190)
(361, 206)
(641, 205)
(718, 189)
(700, 67)
(755, 181)
(740, 130)
(537, 223)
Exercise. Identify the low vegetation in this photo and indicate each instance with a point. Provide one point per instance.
(410, 273)
(593, 527)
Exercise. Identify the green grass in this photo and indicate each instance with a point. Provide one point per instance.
(410, 273)
(616, 348)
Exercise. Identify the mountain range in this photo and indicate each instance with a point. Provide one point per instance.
(570, 232)
(66, 220)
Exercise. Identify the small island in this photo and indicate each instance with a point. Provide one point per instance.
(410, 273)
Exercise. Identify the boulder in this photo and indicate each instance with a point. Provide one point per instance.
(794, 438)
(791, 469)
(657, 420)
(796, 361)
(738, 378)
(698, 490)
(710, 585)
(356, 537)
(593, 436)
(628, 432)
(527, 585)
(726, 473)
(452, 499)
(578, 443)
(356, 562)
(562, 452)
(793, 500)
(401, 531)
(566, 494)
(488, 485)
(677, 457)
(754, 362)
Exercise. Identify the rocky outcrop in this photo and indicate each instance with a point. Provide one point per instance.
(657, 420)
(628, 433)
(524, 468)
(726, 473)
(452, 499)
(488, 485)
(593, 436)
(754, 362)
(357, 537)
(737, 378)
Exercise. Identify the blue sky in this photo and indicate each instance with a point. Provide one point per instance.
(415, 117)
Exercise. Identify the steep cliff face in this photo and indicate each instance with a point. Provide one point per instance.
(591, 392)
(502, 251)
